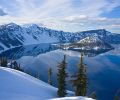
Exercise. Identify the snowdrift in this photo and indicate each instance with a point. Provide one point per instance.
(15, 85)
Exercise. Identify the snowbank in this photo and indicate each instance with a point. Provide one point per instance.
(15, 85)
(72, 98)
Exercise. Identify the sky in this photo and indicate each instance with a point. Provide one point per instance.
(66, 15)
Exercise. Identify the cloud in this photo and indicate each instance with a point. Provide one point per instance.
(61, 8)
(68, 15)
(2, 13)
(112, 4)
(75, 18)
(48, 8)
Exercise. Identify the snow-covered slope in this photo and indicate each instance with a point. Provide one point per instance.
(91, 43)
(92, 39)
(15, 85)
(72, 98)
(12, 35)
(37, 35)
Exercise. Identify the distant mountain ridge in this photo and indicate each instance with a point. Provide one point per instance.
(12, 35)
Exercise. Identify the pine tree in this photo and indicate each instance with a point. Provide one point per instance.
(49, 76)
(61, 77)
(117, 95)
(80, 79)
(17, 66)
(38, 75)
(116, 98)
(3, 62)
(93, 95)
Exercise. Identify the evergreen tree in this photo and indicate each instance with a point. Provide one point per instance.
(17, 66)
(93, 95)
(80, 79)
(116, 98)
(3, 62)
(117, 95)
(38, 75)
(49, 76)
(61, 76)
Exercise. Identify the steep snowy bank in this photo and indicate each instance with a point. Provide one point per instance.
(15, 85)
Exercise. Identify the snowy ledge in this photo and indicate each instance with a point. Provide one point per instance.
(73, 98)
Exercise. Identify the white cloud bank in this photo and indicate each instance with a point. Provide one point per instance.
(68, 15)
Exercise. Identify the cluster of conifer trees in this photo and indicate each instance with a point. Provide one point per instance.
(11, 64)
(78, 80)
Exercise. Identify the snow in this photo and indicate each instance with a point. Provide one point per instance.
(32, 30)
(91, 39)
(40, 39)
(25, 35)
(3, 45)
(72, 98)
(34, 34)
(96, 48)
(15, 85)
